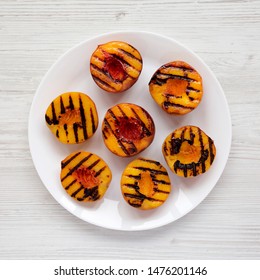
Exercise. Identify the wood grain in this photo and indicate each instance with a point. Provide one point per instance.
(226, 34)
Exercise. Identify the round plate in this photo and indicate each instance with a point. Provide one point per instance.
(71, 73)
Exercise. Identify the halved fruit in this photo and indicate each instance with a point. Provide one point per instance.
(145, 184)
(189, 151)
(85, 176)
(127, 129)
(72, 117)
(115, 66)
(176, 87)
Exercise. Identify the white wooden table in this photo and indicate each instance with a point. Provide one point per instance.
(225, 34)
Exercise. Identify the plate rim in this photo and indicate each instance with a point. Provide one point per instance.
(133, 32)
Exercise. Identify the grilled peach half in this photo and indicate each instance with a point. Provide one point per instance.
(72, 117)
(115, 66)
(176, 87)
(189, 151)
(145, 184)
(85, 176)
(127, 129)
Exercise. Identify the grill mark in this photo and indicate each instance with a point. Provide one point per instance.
(137, 177)
(130, 55)
(192, 137)
(104, 134)
(151, 161)
(136, 196)
(62, 108)
(141, 197)
(98, 80)
(171, 95)
(71, 103)
(194, 169)
(77, 191)
(171, 76)
(66, 129)
(202, 151)
(167, 104)
(189, 88)
(94, 164)
(106, 74)
(160, 182)
(92, 121)
(182, 135)
(83, 118)
(153, 171)
(76, 167)
(118, 141)
(192, 98)
(135, 204)
(184, 68)
(48, 120)
(100, 171)
(54, 117)
(122, 112)
(57, 133)
(75, 129)
(157, 81)
(113, 116)
(132, 186)
(72, 183)
(145, 129)
(63, 164)
(165, 148)
(185, 170)
(132, 149)
(161, 191)
(211, 154)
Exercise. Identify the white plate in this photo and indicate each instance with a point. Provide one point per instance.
(71, 73)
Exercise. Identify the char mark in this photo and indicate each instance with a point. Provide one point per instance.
(122, 111)
(167, 104)
(63, 164)
(54, 117)
(77, 191)
(75, 130)
(62, 108)
(155, 181)
(72, 183)
(94, 164)
(151, 161)
(83, 119)
(71, 103)
(137, 177)
(152, 171)
(171, 76)
(130, 55)
(211, 154)
(92, 121)
(100, 171)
